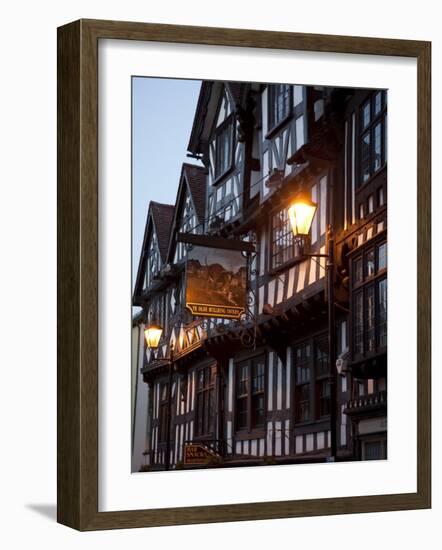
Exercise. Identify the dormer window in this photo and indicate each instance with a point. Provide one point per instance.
(280, 100)
(224, 148)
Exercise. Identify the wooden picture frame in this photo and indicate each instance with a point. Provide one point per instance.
(77, 225)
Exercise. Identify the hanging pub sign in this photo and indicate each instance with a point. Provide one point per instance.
(216, 282)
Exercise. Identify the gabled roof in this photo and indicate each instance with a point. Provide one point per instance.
(159, 216)
(162, 216)
(199, 118)
(196, 178)
(206, 109)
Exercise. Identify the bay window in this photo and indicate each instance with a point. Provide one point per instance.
(373, 135)
(369, 297)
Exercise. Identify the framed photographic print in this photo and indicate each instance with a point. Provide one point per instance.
(234, 340)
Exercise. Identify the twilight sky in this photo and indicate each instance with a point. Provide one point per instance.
(162, 117)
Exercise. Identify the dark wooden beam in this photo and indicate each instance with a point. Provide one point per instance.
(215, 242)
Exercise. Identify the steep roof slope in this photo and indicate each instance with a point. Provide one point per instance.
(196, 178)
(162, 216)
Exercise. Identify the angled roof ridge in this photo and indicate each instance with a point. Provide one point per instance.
(162, 216)
(196, 182)
(192, 178)
(156, 203)
(198, 118)
(190, 165)
(236, 91)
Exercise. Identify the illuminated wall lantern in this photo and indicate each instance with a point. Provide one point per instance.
(153, 336)
(301, 214)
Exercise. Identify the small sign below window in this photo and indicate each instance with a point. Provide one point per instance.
(197, 453)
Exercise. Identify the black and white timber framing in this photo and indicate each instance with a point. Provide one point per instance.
(269, 403)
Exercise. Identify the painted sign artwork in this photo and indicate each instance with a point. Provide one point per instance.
(216, 282)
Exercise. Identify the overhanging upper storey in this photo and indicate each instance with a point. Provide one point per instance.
(223, 138)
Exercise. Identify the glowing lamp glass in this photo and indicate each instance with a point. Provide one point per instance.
(153, 336)
(301, 214)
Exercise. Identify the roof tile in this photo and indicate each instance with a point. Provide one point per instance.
(196, 178)
(162, 215)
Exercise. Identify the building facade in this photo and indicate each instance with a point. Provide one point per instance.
(139, 396)
(258, 391)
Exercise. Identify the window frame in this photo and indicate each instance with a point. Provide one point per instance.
(152, 264)
(295, 251)
(272, 125)
(316, 378)
(370, 129)
(368, 283)
(188, 222)
(250, 428)
(321, 376)
(227, 124)
(163, 412)
(257, 393)
(374, 439)
(208, 395)
(301, 383)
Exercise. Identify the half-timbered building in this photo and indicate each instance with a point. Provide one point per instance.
(258, 391)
